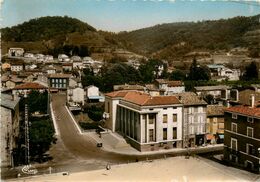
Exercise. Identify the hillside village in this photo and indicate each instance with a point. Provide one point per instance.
(208, 99)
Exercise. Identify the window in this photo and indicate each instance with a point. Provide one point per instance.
(174, 133)
(174, 117)
(151, 135)
(250, 120)
(234, 127)
(165, 118)
(195, 109)
(233, 143)
(165, 108)
(164, 133)
(144, 117)
(190, 110)
(151, 118)
(250, 132)
(234, 116)
(250, 149)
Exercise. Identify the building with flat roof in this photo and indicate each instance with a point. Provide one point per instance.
(148, 123)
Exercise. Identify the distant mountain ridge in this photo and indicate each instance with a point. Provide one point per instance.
(171, 40)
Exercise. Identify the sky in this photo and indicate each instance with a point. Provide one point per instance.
(125, 15)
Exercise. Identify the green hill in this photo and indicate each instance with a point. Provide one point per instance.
(44, 28)
(206, 35)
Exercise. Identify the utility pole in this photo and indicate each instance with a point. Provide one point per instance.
(27, 139)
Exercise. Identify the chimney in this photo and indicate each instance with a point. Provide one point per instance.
(180, 98)
(252, 100)
(12, 97)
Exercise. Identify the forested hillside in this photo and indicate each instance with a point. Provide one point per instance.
(172, 40)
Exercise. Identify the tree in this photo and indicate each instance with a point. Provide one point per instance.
(177, 75)
(41, 136)
(251, 72)
(198, 73)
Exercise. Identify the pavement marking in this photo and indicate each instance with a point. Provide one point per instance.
(54, 120)
(75, 123)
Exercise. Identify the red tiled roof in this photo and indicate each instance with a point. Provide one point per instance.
(245, 110)
(116, 94)
(30, 85)
(144, 99)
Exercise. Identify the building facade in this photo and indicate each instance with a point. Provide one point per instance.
(58, 81)
(194, 119)
(242, 137)
(9, 128)
(148, 123)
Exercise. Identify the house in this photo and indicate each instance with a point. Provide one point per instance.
(17, 66)
(170, 87)
(93, 94)
(74, 82)
(10, 82)
(194, 119)
(242, 136)
(76, 96)
(58, 82)
(63, 58)
(152, 90)
(49, 69)
(77, 64)
(9, 128)
(30, 66)
(29, 55)
(67, 66)
(15, 52)
(215, 123)
(26, 88)
(218, 91)
(148, 123)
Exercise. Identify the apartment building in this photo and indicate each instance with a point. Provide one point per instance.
(194, 119)
(242, 136)
(148, 123)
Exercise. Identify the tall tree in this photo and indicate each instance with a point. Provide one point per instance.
(251, 72)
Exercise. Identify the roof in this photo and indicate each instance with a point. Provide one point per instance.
(215, 66)
(172, 83)
(208, 88)
(59, 76)
(144, 99)
(8, 102)
(116, 94)
(190, 98)
(30, 85)
(245, 110)
(215, 110)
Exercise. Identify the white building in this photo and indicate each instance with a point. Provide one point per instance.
(220, 72)
(148, 123)
(16, 67)
(26, 88)
(76, 96)
(168, 87)
(93, 94)
(194, 119)
(15, 52)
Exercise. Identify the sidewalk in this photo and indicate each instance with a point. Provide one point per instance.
(113, 142)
